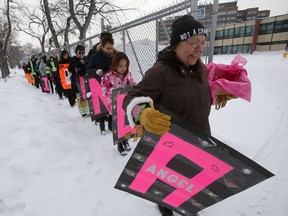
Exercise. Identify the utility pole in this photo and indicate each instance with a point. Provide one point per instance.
(102, 24)
(194, 8)
(213, 30)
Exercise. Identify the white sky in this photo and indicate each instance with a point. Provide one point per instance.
(277, 7)
(54, 162)
(144, 7)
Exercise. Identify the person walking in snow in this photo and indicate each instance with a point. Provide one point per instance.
(177, 81)
(53, 73)
(65, 77)
(95, 48)
(24, 67)
(99, 64)
(31, 68)
(77, 67)
(42, 65)
(42, 71)
(118, 77)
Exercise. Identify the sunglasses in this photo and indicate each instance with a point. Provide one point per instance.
(80, 53)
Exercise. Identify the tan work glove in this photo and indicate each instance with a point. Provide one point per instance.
(221, 98)
(154, 121)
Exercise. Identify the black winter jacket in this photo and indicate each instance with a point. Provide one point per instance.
(99, 61)
(76, 67)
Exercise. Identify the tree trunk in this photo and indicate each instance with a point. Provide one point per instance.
(4, 46)
(4, 65)
(66, 32)
(50, 24)
(82, 28)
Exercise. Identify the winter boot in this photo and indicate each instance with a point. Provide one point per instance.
(126, 145)
(165, 211)
(121, 149)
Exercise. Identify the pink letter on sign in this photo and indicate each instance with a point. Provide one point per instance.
(82, 86)
(46, 86)
(213, 169)
(96, 93)
(122, 128)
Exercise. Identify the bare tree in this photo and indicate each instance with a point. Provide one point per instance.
(36, 26)
(59, 14)
(84, 10)
(82, 6)
(56, 13)
(29, 49)
(5, 32)
(50, 23)
(15, 54)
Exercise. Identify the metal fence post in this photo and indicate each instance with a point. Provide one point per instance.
(213, 30)
(134, 52)
(194, 8)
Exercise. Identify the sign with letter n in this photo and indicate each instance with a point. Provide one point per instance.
(98, 104)
(187, 170)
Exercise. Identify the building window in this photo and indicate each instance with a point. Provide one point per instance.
(218, 50)
(234, 49)
(229, 49)
(246, 48)
(237, 32)
(231, 12)
(219, 35)
(266, 28)
(249, 31)
(225, 49)
(231, 33)
(242, 31)
(226, 34)
(281, 26)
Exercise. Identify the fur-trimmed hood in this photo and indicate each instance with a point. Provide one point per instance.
(99, 48)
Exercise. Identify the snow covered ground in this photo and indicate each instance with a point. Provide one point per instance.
(54, 162)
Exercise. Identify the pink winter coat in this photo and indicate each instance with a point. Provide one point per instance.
(113, 80)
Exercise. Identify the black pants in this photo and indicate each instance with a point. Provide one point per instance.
(102, 123)
(58, 85)
(71, 96)
(37, 81)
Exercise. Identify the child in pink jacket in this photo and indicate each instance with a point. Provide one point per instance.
(118, 77)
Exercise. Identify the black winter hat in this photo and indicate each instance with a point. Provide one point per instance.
(104, 34)
(185, 27)
(79, 47)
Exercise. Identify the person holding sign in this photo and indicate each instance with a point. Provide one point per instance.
(99, 64)
(177, 81)
(53, 73)
(119, 76)
(65, 76)
(77, 68)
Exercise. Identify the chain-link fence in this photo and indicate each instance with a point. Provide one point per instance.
(143, 38)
